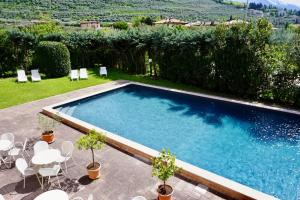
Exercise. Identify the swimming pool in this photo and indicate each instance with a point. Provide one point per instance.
(250, 145)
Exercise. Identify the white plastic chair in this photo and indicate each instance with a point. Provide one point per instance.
(10, 137)
(23, 168)
(67, 149)
(83, 73)
(35, 75)
(139, 198)
(74, 74)
(22, 76)
(1, 197)
(15, 151)
(40, 146)
(103, 71)
(48, 172)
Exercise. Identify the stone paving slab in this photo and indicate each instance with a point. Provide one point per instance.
(123, 176)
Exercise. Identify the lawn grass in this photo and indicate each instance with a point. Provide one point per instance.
(13, 93)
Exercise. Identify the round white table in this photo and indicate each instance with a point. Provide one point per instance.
(53, 195)
(45, 157)
(5, 145)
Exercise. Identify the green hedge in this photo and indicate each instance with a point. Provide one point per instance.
(52, 58)
(245, 59)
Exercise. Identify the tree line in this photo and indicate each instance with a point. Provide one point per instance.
(243, 59)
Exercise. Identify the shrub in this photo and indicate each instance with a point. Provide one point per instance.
(91, 141)
(53, 58)
(120, 25)
(164, 166)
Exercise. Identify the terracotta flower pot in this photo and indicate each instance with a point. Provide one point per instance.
(94, 172)
(165, 194)
(48, 137)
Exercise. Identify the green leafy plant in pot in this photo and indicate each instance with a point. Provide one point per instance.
(47, 125)
(92, 141)
(164, 167)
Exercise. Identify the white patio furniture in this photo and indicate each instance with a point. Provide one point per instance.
(1, 197)
(18, 149)
(8, 136)
(35, 75)
(103, 71)
(48, 172)
(40, 146)
(23, 168)
(67, 149)
(74, 74)
(83, 73)
(21, 76)
(45, 157)
(139, 198)
(6, 143)
(53, 195)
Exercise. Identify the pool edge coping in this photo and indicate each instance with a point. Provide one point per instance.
(191, 172)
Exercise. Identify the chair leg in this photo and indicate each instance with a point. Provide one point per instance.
(42, 183)
(66, 167)
(37, 176)
(24, 182)
(58, 181)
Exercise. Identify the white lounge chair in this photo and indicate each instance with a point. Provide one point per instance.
(83, 73)
(103, 71)
(35, 75)
(74, 74)
(22, 76)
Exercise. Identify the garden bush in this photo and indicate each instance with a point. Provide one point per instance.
(52, 58)
(120, 25)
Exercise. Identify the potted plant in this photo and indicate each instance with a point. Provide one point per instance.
(164, 167)
(48, 125)
(92, 141)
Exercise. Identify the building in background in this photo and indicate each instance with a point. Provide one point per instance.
(90, 24)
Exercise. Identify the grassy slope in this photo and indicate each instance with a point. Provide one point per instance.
(13, 93)
(117, 10)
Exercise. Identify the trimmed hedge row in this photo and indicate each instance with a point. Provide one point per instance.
(238, 59)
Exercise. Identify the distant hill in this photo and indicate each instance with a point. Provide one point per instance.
(115, 10)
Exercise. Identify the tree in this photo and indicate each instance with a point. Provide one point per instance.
(91, 141)
(164, 167)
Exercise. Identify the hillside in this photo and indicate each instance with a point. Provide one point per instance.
(114, 10)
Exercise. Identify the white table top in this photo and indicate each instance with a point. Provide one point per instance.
(5, 145)
(53, 195)
(45, 157)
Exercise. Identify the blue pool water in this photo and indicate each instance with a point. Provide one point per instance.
(253, 146)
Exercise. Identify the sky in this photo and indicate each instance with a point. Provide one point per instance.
(296, 2)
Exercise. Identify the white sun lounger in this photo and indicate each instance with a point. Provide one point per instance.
(103, 71)
(74, 74)
(35, 75)
(22, 76)
(83, 73)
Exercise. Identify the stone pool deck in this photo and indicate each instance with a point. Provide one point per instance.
(123, 176)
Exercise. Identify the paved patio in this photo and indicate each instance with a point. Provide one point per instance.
(123, 176)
